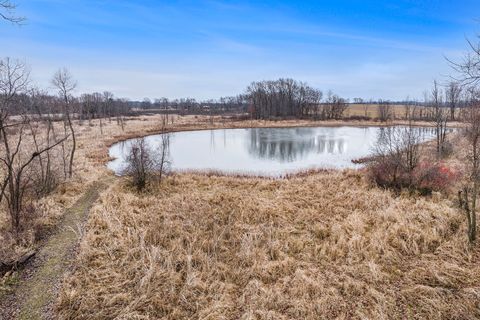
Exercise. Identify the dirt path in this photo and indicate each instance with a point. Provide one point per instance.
(39, 282)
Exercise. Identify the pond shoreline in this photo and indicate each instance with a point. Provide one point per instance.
(284, 124)
(272, 153)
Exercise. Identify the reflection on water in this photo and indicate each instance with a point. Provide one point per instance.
(416, 134)
(263, 151)
(287, 145)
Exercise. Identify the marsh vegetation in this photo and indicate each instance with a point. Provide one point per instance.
(281, 202)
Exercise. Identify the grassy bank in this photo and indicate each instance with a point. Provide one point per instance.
(321, 246)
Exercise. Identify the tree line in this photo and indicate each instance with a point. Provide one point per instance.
(284, 98)
(233, 104)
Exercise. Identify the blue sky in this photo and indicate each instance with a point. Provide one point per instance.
(208, 49)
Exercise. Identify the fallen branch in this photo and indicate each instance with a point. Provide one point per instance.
(17, 263)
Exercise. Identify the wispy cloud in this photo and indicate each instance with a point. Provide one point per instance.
(213, 47)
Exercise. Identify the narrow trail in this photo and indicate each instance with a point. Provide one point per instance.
(37, 290)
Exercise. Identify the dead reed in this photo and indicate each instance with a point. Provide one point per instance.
(324, 245)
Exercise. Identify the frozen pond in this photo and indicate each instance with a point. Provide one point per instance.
(263, 151)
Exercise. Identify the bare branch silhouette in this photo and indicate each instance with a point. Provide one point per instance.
(7, 12)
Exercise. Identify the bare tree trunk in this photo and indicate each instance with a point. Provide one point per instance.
(74, 146)
(63, 80)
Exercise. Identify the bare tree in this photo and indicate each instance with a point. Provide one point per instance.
(468, 69)
(146, 104)
(99, 107)
(396, 156)
(145, 164)
(286, 98)
(120, 109)
(440, 118)
(408, 108)
(468, 75)
(468, 196)
(384, 111)
(7, 12)
(14, 80)
(452, 97)
(334, 106)
(163, 153)
(108, 104)
(17, 157)
(139, 163)
(42, 131)
(65, 84)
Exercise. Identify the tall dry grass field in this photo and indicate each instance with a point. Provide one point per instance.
(93, 141)
(322, 246)
(325, 245)
(89, 166)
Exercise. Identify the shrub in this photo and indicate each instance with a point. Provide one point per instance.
(396, 163)
(430, 177)
(447, 149)
(385, 173)
(145, 164)
(425, 177)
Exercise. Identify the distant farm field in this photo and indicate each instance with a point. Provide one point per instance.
(372, 110)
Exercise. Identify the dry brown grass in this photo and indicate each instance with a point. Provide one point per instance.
(90, 159)
(358, 110)
(324, 245)
(317, 246)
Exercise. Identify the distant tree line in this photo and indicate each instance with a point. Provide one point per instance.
(234, 104)
(285, 98)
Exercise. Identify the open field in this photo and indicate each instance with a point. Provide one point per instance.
(325, 245)
(398, 111)
(322, 245)
(372, 111)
